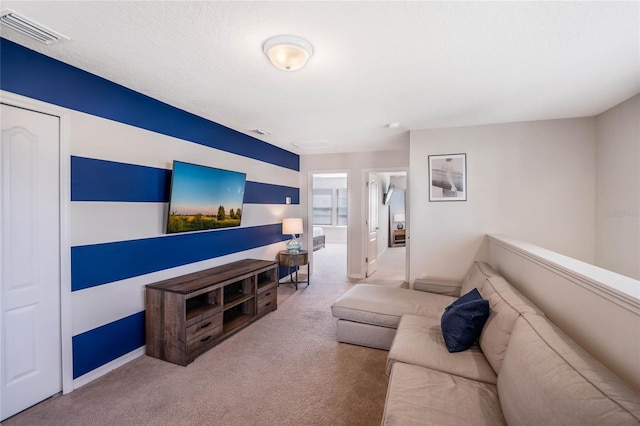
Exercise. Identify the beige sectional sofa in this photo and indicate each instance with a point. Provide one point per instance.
(522, 371)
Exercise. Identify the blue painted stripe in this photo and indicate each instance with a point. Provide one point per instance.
(37, 76)
(101, 345)
(265, 193)
(101, 180)
(97, 264)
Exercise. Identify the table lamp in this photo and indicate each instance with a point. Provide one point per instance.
(398, 218)
(292, 226)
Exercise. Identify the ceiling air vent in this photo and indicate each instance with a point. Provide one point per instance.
(26, 26)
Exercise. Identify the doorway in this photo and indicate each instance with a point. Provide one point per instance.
(30, 320)
(387, 232)
(329, 220)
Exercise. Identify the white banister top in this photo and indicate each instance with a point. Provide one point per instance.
(605, 280)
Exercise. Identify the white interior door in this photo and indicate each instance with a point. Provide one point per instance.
(372, 227)
(30, 356)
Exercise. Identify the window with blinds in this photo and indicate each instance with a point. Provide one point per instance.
(323, 206)
(330, 206)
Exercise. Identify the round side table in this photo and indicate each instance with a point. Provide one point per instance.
(294, 260)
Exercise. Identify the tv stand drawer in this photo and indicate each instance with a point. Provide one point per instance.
(268, 303)
(204, 327)
(204, 341)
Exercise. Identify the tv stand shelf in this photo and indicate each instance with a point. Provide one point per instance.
(188, 315)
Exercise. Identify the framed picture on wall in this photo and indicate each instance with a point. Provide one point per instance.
(448, 177)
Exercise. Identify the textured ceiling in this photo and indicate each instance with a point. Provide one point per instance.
(423, 64)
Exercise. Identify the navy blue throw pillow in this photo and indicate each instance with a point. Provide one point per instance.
(462, 321)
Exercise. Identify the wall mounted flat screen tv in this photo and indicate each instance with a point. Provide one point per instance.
(204, 198)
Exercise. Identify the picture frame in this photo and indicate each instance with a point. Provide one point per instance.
(448, 177)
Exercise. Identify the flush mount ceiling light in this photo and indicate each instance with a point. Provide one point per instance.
(287, 52)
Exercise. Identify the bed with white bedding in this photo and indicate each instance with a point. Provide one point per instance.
(318, 238)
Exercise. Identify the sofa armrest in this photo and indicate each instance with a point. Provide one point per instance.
(446, 287)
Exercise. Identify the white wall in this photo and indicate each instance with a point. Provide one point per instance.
(355, 165)
(400, 182)
(534, 181)
(617, 232)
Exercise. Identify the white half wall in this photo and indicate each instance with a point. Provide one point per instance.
(534, 181)
(617, 239)
(599, 309)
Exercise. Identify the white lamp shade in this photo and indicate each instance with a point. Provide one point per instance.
(398, 217)
(292, 226)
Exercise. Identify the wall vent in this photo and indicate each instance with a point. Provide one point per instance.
(313, 144)
(28, 27)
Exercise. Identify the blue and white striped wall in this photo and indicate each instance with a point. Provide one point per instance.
(122, 148)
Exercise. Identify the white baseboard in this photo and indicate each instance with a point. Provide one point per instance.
(110, 366)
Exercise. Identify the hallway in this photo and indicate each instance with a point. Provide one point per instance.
(332, 261)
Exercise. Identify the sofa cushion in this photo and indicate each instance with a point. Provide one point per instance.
(384, 306)
(546, 378)
(421, 396)
(506, 304)
(446, 287)
(419, 341)
(477, 274)
(462, 321)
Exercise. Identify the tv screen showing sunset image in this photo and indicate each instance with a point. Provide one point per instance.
(204, 198)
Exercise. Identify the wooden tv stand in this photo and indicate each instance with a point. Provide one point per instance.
(188, 315)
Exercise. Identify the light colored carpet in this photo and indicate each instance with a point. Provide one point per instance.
(391, 265)
(285, 369)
